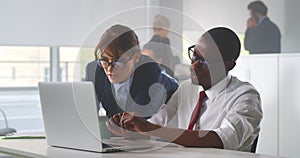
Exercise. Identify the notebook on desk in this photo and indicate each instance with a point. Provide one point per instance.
(70, 118)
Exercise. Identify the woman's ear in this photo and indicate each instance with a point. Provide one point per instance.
(137, 57)
(160, 60)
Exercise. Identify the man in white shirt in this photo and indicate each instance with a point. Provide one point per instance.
(227, 112)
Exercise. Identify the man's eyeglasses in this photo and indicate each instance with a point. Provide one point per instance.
(118, 65)
(194, 57)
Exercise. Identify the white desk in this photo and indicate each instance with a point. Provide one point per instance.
(39, 148)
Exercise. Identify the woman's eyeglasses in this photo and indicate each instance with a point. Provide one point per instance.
(118, 65)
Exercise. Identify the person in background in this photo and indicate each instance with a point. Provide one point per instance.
(156, 50)
(126, 80)
(90, 70)
(212, 109)
(262, 35)
(161, 26)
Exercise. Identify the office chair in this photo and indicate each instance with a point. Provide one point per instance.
(254, 145)
(7, 130)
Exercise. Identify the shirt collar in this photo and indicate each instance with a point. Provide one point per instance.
(261, 20)
(127, 83)
(217, 88)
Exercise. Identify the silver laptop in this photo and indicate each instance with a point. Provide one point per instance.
(71, 120)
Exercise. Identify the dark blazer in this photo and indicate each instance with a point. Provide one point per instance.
(264, 38)
(147, 72)
(159, 39)
(169, 59)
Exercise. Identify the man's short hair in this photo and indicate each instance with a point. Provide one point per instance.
(160, 22)
(227, 42)
(258, 7)
(117, 40)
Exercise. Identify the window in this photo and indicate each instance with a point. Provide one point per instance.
(21, 70)
(73, 61)
(23, 66)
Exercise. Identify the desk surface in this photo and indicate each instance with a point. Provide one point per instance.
(39, 148)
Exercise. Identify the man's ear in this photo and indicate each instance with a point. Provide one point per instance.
(229, 65)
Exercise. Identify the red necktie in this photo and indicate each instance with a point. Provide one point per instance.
(196, 112)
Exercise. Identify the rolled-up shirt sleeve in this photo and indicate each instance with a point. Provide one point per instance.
(240, 127)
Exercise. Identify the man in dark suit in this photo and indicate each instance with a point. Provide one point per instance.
(262, 35)
(156, 51)
(125, 80)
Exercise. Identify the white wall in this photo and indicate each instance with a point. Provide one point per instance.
(56, 22)
(291, 38)
(289, 109)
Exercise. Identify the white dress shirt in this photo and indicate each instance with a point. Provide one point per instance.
(121, 91)
(232, 109)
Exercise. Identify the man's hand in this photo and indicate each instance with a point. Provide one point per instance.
(129, 125)
(251, 22)
(113, 125)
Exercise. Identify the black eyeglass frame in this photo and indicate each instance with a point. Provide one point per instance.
(118, 65)
(193, 58)
(201, 60)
